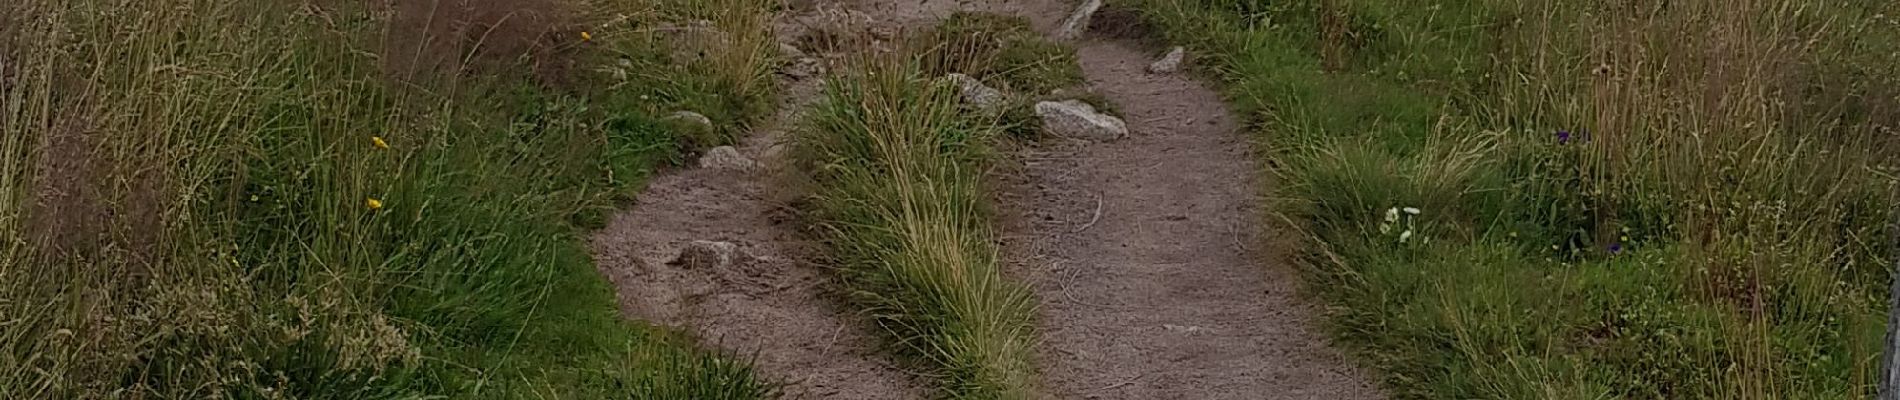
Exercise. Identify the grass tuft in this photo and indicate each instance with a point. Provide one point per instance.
(898, 166)
(1000, 50)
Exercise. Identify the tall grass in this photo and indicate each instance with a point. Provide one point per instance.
(898, 167)
(213, 199)
(1621, 199)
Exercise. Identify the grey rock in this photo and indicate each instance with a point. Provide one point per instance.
(694, 118)
(975, 93)
(1186, 329)
(1078, 22)
(790, 52)
(1170, 63)
(709, 254)
(1079, 120)
(726, 158)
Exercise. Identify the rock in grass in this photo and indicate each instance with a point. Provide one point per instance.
(696, 119)
(709, 254)
(1079, 120)
(1170, 63)
(977, 94)
(726, 158)
(1078, 22)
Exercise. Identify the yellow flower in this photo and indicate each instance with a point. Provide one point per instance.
(375, 204)
(586, 36)
(378, 141)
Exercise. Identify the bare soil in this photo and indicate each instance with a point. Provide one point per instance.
(1156, 278)
(779, 306)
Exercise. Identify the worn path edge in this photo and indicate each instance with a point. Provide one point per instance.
(1156, 278)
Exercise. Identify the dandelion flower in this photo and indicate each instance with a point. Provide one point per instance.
(585, 36)
(378, 141)
(374, 204)
(1412, 210)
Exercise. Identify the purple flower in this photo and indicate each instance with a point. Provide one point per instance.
(1563, 136)
(1616, 248)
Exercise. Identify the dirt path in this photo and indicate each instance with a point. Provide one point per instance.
(1145, 252)
(1148, 256)
(771, 300)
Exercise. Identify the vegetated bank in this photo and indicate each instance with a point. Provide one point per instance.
(281, 199)
(897, 160)
(1568, 199)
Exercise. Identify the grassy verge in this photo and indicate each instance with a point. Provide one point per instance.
(899, 164)
(201, 199)
(1649, 200)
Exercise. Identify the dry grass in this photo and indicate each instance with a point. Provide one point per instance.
(898, 166)
(186, 193)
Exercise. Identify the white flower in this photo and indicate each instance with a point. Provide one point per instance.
(1411, 210)
(1392, 215)
(1403, 237)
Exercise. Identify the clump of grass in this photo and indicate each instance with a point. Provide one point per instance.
(898, 169)
(729, 78)
(1004, 52)
(1000, 50)
(1697, 189)
(252, 210)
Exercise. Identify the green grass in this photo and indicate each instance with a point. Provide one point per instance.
(898, 167)
(1721, 231)
(219, 241)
